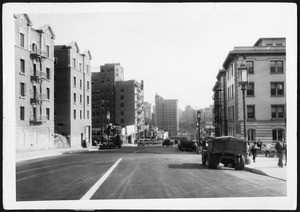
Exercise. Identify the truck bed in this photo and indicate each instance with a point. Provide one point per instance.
(227, 145)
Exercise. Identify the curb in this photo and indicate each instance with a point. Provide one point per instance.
(256, 171)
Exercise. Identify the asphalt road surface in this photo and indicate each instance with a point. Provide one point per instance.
(147, 172)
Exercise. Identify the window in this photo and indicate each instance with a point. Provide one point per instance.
(48, 93)
(277, 111)
(48, 113)
(80, 114)
(55, 61)
(48, 73)
(122, 104)
(22, 89)
(74, 97)
(251, 111)
(80, 84)
(22, 66)
(250, 67)
(122, 97)
(88, 85)
(22, 40)
(80, 99)
(250, 89)
(22, 113)
(47, 51)
(122, 89)
(80, 66)
(276, 67)
(122, 121)
(232, 92)
(74, 114)
(74, 62)
(74, 81)
(251, 134)
(88, 100)
(277, 89)
(277, 134)
(88, 114)
(87, 68)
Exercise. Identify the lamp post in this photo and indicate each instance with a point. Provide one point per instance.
(243, 80)
(199, 119)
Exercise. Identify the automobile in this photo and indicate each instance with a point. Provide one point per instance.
(141, 142)
(168, 142)
(188, 145)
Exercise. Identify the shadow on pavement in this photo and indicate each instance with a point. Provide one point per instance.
(187, 166)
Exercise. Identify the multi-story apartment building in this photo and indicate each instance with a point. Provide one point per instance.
(147, 108)
(220, 104)
(104, 95)
(73, 97)
(129, 104)
(34, 59)
(166, 115)
(266, 90)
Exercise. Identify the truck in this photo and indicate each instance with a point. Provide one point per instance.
(226, 150)
(110, 138)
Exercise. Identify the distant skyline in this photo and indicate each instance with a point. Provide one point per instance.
(177, 49)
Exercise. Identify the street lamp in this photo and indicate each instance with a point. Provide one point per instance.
(243, 80)
(199, 119)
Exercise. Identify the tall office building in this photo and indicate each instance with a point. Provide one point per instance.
(103, 89)
(73, 93)
(265, 98)
(129, 104)
(147, 108)
(34, 59)
(166, 115)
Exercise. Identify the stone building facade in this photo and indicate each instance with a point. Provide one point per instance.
(34, 74)
(266, 90)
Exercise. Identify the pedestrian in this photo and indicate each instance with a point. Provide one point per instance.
(279, 149)
(285, 152)
(253, 150)
(259, 144)
(268, 150)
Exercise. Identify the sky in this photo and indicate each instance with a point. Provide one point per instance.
(176, 49)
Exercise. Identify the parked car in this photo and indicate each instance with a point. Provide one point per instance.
(141, 142)
(188, 145)
(168, 142)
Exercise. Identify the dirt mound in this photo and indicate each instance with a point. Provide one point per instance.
(60, 141)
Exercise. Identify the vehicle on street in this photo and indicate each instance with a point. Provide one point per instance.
(226, 150)
(112, 139)
(141, 142)
(168, 142)
(188, 145)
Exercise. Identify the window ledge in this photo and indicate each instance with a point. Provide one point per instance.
(22, 73)
(250, 96)
(277, 95)
(22, 97)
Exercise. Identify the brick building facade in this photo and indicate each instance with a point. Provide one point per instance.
(73, 97)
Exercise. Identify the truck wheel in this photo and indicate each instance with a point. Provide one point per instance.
(212, 161)
(240, 165)
(204, 158)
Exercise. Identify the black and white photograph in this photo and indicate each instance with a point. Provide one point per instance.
(149, 106)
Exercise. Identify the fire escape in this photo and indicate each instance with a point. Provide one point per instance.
(139, 108)
(37, 77)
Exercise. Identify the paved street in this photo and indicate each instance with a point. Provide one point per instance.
(136, 173)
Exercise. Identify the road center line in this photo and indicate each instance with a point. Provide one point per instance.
(95, 187)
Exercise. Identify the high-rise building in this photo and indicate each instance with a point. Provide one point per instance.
(189, 115)
(103, 89)
(129, 104)
(34, 74)
(73, 98)
(265, 98)
(147, 108)
(166, 115)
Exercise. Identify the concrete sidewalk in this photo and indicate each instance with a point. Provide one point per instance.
(28, 155)
(267, 166)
